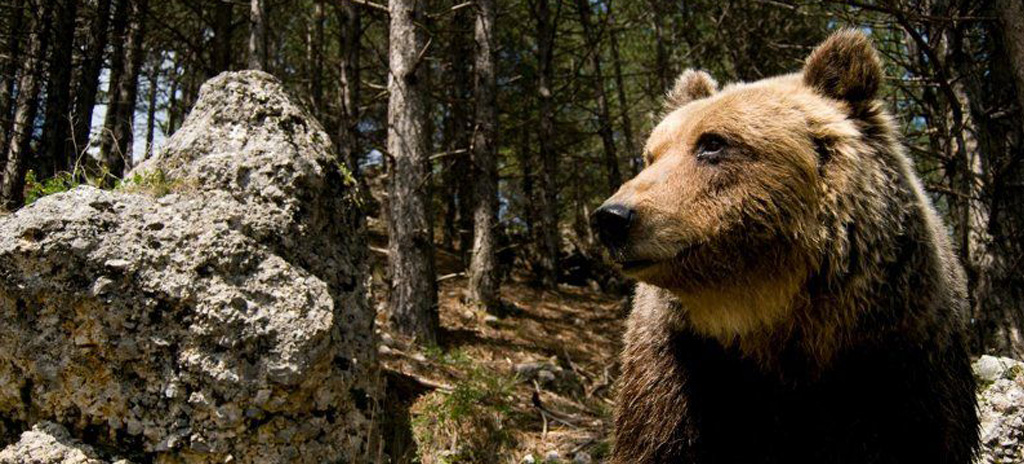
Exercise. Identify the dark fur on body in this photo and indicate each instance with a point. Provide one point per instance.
(867, 361)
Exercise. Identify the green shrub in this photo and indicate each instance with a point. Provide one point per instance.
(36, 189)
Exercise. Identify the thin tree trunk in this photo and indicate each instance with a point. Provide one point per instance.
(9, 69)
(662, 73)
(348, 120)
(172, 101)
(635, 157)
(604, 119)
(29, 83)
(458, 180)
(526, 170)
(483, 275)
(413, 296)
(455, 187)
(122, 110)
(88, 82)
(154, 76)
(316, 40)
(56, 127)
(1011, 18)
(223, 16)
(108, 144)
(257, 35)
(548, 237)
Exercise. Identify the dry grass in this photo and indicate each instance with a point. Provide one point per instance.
(481, 410)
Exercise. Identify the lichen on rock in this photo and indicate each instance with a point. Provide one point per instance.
(223, 319)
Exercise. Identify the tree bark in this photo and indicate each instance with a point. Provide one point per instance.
(547, 230)
(9, 69)
(348, 120)
(604, 119)
(116, 152)
(662, 73)
(26, 107)
(635, 157)
(88, 82)
(56, 125)
(1011, 18)
(413, 296)
(154, 79)
(119, 37)
(223, 16)
(483, 275)
(458, 189)
(316, 46)
(258, 35)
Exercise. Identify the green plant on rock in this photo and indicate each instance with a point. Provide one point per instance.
(38, 188)
(155, 183)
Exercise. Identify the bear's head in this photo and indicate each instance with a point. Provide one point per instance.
(740, 189)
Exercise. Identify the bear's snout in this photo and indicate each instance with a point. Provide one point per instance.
(612, 222)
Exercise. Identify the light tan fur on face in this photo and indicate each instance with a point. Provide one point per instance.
(736, 242)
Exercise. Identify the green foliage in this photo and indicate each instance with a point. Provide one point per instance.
(466, 424)
(155, 183)
(36, 189)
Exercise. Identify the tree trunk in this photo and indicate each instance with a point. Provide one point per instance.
(604, 119)
(172, 101)
(29, 83)
(483, 275)
(547, 230)
(458, 182)
(223, 16)
(9, 64)
(154, 76)
(56, 127)
(117, 69)
(88, 82)
(1011, 18)
(635, 156)
(316, 46)
(526, 170)
(120, 121)
(348, 120)
(662, 73)
(9, 69)
(258, 35)
(413, 296)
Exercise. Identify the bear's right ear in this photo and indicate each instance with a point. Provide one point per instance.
(691, 85)
(845, 67)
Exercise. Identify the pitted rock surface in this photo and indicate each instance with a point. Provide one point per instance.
(49, 443)
(1001, 409)
(224, 320)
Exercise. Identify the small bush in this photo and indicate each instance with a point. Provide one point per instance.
(36, 189)
(155, 183)
(467, 424)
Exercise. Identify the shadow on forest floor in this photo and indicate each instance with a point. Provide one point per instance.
(538, 381)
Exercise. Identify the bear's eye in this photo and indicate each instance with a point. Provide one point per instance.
(710, 146)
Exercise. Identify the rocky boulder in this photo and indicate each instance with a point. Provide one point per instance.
(1001, 409)
(49, 443)
(210, 309)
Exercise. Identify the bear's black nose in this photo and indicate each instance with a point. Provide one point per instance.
(612, 222)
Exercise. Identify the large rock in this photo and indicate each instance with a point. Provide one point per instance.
(49, 443)
(1001, 409)
(210, 310)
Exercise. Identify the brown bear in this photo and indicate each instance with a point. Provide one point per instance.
(799, 301)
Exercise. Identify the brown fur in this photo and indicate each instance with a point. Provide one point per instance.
(801, 280)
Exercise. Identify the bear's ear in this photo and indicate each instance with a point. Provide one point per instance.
(691, 85)
(845, 67)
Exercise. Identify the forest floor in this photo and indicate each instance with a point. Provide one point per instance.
(534, 385)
